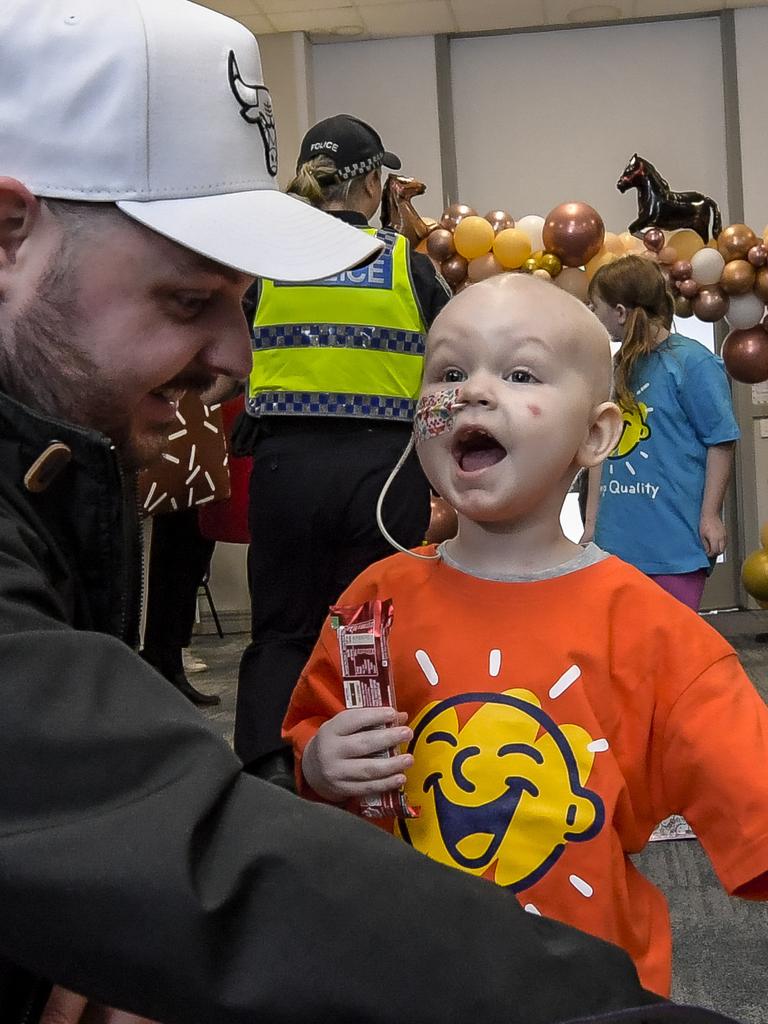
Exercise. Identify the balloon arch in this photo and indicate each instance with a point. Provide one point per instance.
(726, 278)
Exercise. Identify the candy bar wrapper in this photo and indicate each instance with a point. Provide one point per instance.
(363, 634)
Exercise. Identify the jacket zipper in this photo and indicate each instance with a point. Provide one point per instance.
(133, 543)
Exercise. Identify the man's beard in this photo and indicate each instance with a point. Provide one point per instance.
(42, 367)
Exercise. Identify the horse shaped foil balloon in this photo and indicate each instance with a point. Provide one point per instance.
(397, 211)
(659, 206)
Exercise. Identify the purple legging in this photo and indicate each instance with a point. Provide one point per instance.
(685, 586)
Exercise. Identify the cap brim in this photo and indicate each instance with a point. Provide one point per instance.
(263, 232)
(391, 161)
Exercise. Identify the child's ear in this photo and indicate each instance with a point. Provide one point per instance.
(621, 313)
(603, 435)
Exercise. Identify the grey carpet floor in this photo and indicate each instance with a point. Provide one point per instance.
(720, 944)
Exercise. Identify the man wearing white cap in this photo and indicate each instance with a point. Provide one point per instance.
(138, 864)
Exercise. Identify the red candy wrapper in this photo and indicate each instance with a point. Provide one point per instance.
(363, 634)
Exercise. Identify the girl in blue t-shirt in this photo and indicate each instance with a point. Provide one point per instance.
(657, 501)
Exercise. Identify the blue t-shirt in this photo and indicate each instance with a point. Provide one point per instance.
(652, 483)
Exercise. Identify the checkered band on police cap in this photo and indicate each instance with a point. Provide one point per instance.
(351, 144)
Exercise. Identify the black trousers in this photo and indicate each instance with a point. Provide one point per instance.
(178, 559)
(313, 493)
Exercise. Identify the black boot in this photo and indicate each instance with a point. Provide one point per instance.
(168, 664)
(184, 686)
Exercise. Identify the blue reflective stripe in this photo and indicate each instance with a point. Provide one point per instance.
(317, 403)
(353, 336)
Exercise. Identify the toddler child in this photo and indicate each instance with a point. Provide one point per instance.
(558, 702)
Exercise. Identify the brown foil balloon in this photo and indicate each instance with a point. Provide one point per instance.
(440, 244)
(456, 213)
(653, 239)
(735, 241)
(745, 354)
(758, 255)
(711, 304)
(683, 306)
(499, 220)
(688, 288)
(737, 277)
(681, 270)
(443, 521)
(574, 232)
(454, 270)
(761, 284)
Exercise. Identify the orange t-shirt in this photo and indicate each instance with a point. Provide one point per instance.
(556, 722)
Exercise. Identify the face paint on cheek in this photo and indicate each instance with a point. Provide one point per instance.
(534, 410)
(436, 412)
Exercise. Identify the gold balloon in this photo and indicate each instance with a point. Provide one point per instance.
(614, 243)
(551, 264)
(685, 243)
(754, 575)
(574, 232)
(531, 264)
(630, 243)
(735, 241)
(473, 237)
(601, 260)
(512, 247)
(738, 277)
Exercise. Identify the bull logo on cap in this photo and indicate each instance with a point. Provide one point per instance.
(255, 108)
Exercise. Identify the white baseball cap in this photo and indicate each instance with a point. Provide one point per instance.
(159, 106)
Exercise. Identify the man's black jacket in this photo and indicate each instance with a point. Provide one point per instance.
(140, 867)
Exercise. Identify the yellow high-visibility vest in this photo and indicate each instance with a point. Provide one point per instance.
(348, 345)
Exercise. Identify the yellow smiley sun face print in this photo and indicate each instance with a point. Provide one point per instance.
(501, 786)
(634, 430)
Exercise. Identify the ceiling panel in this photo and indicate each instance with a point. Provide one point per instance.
(327, 20)
(411, 19)
(487, 15)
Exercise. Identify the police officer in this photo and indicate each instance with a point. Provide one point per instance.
(336, 368)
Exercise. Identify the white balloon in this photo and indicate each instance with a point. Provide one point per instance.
(532, 225)
(745, 311)
(706, 266)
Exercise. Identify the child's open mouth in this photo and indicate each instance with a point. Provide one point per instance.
(475, 449)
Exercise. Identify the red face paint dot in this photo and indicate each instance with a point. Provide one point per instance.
(534, 410)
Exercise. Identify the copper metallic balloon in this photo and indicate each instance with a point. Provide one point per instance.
(443, 522)
(499, 219)
(653, 239)
(761, 284)
(683, 306)
(440, 244)
(454, 270)
(758, 255)
(735, 241)
(688, 288)
(455, 214)
(681, 270)
(745, 354)
(738, 277)
(574, 232)
(711, 304)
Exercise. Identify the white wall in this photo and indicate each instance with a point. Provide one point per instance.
(390, 83)
(546, 117)
(752, 44)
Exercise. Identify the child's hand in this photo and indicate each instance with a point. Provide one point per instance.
(340, 760)
(713, 535)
